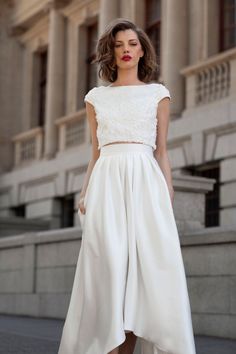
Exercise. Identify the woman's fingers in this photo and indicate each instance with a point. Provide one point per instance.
(81, 207)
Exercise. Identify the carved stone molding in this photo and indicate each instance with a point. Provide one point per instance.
(6, 7)
(19, 27)
(60, 3)
(64, 2)
(16, 31)
(9, 3)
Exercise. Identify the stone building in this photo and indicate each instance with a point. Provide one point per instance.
(46, 49)
(45, 71)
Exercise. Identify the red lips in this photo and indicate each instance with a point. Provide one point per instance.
(126, 57)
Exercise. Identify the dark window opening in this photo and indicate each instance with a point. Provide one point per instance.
(227, 24)
(92, 33)
(153, 28)
(67, 210)
(212, 202)
(43, 58)
(19, 211)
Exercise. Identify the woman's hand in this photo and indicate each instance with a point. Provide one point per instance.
(81, 205)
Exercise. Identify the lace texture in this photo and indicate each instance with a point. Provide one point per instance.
(127, 113)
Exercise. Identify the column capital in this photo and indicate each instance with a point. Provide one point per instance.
(9, 3)
(57, 4)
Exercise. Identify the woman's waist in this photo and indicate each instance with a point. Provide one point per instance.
(123, 147)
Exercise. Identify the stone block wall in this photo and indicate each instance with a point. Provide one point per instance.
(37, 272)
(210, 263)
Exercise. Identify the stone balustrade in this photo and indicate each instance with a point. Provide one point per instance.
(28, 146)
(211, 79)
(71, 130)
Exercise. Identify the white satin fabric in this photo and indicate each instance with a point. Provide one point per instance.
(130, 274)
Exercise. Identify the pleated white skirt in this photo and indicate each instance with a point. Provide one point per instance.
(130, 274)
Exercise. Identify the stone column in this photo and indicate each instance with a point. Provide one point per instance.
(109, 10)
(174, 50)
(55, 77)
(127, 9)
(198, 30)
(133, 10)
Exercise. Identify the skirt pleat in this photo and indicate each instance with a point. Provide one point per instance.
(130, 274)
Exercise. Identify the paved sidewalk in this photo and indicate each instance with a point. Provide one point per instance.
(26, 335)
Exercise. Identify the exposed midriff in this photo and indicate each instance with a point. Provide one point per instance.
(122, 142)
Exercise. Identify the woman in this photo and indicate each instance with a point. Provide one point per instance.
(130, 280)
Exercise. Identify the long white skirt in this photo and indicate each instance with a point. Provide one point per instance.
(130, 274)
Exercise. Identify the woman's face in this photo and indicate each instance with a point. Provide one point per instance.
(128, 49)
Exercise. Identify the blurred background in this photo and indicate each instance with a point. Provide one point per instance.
(46, 49)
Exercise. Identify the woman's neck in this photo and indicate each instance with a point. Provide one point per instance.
(126, 78)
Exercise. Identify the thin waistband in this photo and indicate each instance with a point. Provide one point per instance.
(125, 147)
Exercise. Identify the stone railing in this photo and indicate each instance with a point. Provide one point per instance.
(28, 146)
(72, 130)
(211, 79)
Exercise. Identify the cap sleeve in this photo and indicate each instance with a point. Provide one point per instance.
(163, 92)
(90, 96)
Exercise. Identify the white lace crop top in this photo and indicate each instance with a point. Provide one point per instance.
(126, 113)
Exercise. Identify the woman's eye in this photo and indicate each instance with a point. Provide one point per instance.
(118, 45)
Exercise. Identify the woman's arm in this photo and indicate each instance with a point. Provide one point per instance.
(160, 154)
(91, 116)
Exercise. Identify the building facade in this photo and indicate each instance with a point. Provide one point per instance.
(46, 49)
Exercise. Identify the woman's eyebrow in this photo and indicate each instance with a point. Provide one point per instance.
(129, 40)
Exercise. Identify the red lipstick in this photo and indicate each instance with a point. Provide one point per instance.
(126, 57)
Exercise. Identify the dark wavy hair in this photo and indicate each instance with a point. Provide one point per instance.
(105, 58)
